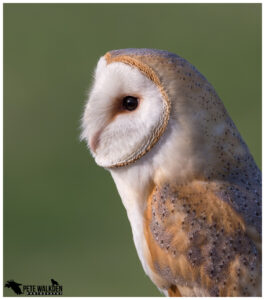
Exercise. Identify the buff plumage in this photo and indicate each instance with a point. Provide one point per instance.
(191, 188)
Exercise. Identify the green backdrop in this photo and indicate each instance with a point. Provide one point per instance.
(63, 218)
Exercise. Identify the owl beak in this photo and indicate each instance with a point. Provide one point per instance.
(94, 142)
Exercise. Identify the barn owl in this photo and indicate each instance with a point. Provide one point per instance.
(190, 186)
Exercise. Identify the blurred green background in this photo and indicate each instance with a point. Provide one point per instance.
(63, 218)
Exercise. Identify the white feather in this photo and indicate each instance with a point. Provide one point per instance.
(121, 137)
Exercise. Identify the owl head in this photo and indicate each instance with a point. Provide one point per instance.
(144, 100)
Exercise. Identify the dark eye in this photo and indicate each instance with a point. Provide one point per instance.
(130, 103)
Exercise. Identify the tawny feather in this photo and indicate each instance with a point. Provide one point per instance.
(191, 188)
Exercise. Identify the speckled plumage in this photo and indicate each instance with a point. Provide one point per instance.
(192, 194)
(199, 241)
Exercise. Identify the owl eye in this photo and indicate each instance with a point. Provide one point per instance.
(130, 103)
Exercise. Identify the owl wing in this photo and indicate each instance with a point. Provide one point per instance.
(204, 239)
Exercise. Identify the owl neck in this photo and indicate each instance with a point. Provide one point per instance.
(168, 160)
(180, 157)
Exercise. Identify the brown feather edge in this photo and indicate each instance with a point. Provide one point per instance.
(149, 73)
(173, 291)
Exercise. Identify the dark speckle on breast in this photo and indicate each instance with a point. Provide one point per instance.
(209, 236)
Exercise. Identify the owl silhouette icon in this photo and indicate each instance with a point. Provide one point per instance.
(14, 286)
(54, 282)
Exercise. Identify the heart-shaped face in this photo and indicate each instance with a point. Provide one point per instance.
(126, 113)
